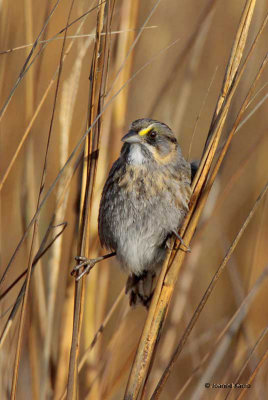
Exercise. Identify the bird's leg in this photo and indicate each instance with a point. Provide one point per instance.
(188, 249)
(88, 263)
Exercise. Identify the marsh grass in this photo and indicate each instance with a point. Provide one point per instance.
(65, 103)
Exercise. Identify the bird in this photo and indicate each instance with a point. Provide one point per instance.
(144, 202)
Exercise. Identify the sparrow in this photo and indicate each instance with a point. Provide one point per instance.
(144, 202)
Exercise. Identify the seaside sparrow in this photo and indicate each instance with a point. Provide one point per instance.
(144, 202)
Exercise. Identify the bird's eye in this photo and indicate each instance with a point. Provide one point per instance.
(152, 134)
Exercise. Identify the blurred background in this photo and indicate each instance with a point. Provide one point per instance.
(175, 72)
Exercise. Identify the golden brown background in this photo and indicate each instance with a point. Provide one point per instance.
(180, 87)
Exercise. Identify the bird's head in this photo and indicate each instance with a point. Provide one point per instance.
(150, 140)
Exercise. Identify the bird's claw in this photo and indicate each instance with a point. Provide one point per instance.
(83, 262)
(187, 248)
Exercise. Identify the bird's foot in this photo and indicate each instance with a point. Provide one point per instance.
(86, 264)
(83, 267)
(187, 248)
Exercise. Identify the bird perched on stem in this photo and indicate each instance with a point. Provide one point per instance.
(144, 202)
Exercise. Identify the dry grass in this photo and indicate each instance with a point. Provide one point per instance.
(203, 72)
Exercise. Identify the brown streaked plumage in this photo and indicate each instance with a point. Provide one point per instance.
(144, 201)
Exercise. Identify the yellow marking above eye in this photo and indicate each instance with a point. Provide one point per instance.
(144, 131)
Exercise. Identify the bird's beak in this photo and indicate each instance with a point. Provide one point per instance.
(131, 137)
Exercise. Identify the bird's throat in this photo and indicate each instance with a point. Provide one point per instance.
(136, 155)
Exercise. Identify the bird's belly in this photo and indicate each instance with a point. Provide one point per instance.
(140, 251)
(141, 231)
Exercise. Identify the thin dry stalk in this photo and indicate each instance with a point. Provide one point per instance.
(97, 335)
(253, 375)
(258, 342)
(159, 307)
(129, 54)
(55, 37)
(33, 355)
(113, 125)
(29, 190)
(182, 55)
(222, 347)
(237, 52)
(44, 247)
(205, 297)
(129, 18)
(4, 32)
(191, 70)
(65, 341)
(139, 359)
(101, 329)
(89, 174)
(120, 353)
(252, 112)
(103, 372)
(84, 35)
(25, 65)
(98, 77)
(181, 300)
(214, 173)
(29, 272)
(37, 111)
(199, 113)
(231, 183)
(235, 320)
(256, 253)
(216, 129)
(69, 94)
(81, 141)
